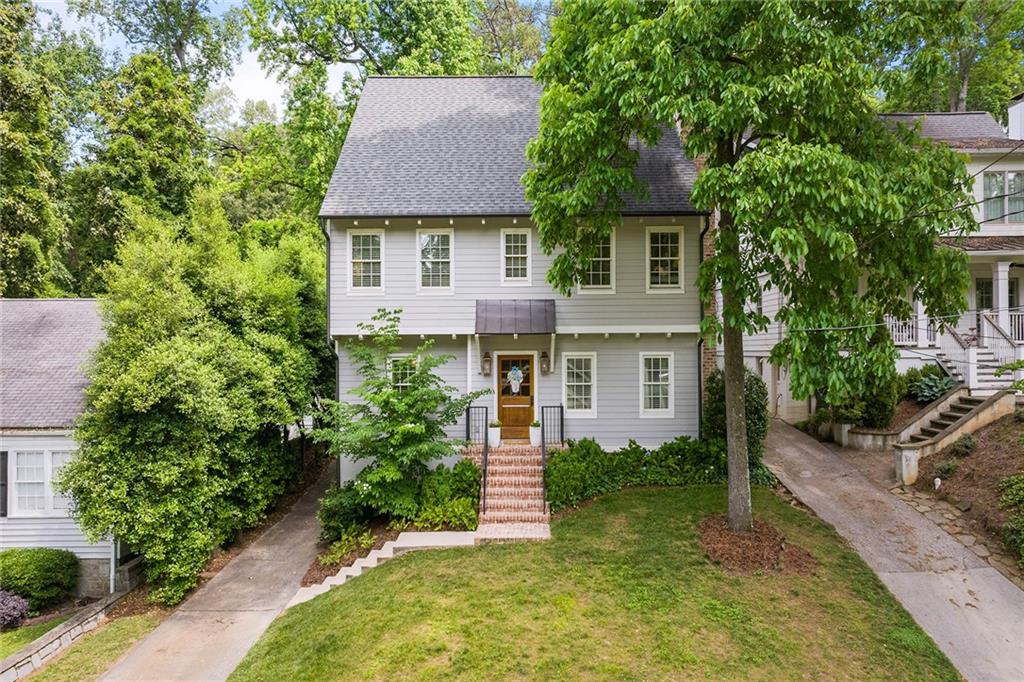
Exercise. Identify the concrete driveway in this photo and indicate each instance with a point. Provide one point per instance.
(973, 613)
(209, 634)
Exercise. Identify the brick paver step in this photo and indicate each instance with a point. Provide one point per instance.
(514, 481)
(514, 517)
(516, 492)
(529, 470)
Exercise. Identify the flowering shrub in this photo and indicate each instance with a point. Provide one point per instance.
(13, 610)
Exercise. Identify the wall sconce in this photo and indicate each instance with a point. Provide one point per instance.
(545, 362)
(485, 364)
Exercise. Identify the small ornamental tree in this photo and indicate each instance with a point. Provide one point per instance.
(399, 420)
(812, 191)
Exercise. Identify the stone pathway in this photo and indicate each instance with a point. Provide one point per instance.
(950, 519)
(973, 613)
(209, 634)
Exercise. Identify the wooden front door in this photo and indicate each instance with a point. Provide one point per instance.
(515, 395)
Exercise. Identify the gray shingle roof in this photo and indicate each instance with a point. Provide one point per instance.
(449, 146)
(970, 125)
(43, 345)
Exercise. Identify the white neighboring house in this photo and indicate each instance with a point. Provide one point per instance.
(43, 345)
(991, 332)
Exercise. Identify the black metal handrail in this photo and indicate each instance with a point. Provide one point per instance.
(474, 425)
(556, 423)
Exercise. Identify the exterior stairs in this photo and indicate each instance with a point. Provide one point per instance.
(986, 382)
(513, 505)
(960, 408)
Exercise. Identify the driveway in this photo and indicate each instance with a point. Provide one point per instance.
(973, 613)
(209, 634)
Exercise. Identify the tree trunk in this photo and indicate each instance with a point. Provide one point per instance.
(958, 99)
(740, 514)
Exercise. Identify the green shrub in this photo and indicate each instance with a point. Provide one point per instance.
(584, 470)
(41, 575)
(351, 539)
(756, 400)
(443, 484)
(963, 446)
(1013, 536)
(931, 387)
(849, 413)
(1012, 493)
(881, 394)
(946, 468)
(1018, 415)
(458, 513)
(341, 510)
(908, 379)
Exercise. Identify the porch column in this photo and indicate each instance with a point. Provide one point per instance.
(920, 324)
(1001, 292)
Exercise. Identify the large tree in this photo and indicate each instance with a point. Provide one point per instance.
(373, 36)
(150, 149)
(512, 34)
(967, 55)
(30, 231)
(810, 188)
(188, 37)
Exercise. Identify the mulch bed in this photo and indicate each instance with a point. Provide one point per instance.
(977, 477)
(317, 573)
(137, 602)
(64, 609)
(763, 550)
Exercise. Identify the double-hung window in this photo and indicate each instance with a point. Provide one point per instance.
(1004, 197)
(402, 368)
(515, 256)
(434, 251)
(664, 259)
(657, 385)
(30, 475)
(579, 384)
(600, 277)
(367, 267)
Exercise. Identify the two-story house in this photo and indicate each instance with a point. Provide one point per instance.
(426, 212)
(991, 332)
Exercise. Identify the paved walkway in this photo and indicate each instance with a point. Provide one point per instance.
(973, 613)
(208, 635)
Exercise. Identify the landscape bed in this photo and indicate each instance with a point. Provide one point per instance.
(622, 591)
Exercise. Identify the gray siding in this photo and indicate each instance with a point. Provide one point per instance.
(617, 418)
(50, 531)
(477, 275)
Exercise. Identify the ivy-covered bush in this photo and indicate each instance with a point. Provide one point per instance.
(756, 400)
(13, 610)
(41, 575)
(585, 470)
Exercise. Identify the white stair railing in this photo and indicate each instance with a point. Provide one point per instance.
(1017, 324)
(1001, 344)
(960, 355)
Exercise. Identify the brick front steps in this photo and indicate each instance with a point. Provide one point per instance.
(513, 507)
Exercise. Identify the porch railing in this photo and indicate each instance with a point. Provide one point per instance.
(476, 432)
(1004, 348)
(552, 430)
(1017, 325)
(903, 332)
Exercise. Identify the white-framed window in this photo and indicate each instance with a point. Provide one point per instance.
(31, 472)
(401, 368)
(1004, 196)
(579, 384)
(657, 385)
(600, 277)
(515, 256)
(366, 256)
(664, 259)
(435, 254)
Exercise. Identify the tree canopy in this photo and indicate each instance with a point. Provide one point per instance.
(810, 187)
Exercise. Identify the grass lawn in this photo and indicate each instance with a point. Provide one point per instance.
(621, 592)
(93, 654)
(13, 640)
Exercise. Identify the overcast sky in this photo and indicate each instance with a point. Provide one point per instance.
(249, 81)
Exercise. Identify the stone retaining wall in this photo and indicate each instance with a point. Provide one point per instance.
(34, 655)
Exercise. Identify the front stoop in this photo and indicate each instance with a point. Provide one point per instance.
(514, 507)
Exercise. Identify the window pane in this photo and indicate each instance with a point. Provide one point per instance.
(657, 383)
(402, 370)
(366, 260)
(579, 386)
(664, 262)
(58, 459)
(600, 273)
(435, 260)
(30, 480)
(1015, 200)
(516, 256)
(994, 189)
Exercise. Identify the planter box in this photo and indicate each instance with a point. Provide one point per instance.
(535, 436)
(494, 436)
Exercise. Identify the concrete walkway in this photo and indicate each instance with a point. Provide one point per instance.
(208, 635)
(973, 613)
